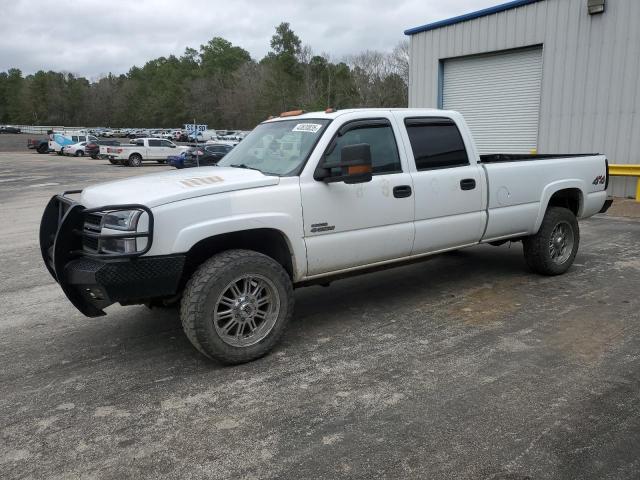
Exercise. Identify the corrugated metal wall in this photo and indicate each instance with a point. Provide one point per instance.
(590, 76)
(499, 96)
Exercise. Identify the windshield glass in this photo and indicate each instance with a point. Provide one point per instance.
(276, 148)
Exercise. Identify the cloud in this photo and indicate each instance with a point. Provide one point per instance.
(94, 37)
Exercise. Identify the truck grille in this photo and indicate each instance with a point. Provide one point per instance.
(92, 221)
(92, 224)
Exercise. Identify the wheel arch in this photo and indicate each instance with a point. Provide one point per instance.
(268, 241)
(568, 194)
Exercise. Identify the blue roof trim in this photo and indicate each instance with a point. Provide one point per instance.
(469, 16)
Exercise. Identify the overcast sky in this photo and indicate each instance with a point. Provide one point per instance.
(94, 37)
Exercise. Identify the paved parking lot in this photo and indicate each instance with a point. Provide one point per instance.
(464, 366)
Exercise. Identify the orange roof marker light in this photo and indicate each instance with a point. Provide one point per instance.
(292, 113)
(330, 110)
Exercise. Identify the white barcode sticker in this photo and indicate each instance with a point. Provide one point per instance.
(307, 127)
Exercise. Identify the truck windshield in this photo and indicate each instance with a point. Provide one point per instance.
(277, 148)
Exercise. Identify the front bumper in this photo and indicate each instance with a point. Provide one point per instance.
(92, 282)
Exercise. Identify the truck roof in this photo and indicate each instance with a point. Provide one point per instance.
(331, 114)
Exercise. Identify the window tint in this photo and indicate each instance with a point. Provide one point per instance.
(166, 143)
(384, 152)
(436, 143)
(74, 138)
(154, 143)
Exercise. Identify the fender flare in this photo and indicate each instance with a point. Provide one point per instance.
(554, 187)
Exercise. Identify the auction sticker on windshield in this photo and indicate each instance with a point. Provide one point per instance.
(307, 127)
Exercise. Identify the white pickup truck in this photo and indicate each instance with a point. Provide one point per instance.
(306, 199)
(141, 149)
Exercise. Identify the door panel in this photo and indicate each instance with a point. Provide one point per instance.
(446, 215)
(449, 190)
(353, 225)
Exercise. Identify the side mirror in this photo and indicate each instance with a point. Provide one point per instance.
(355, 166)
(172, 146)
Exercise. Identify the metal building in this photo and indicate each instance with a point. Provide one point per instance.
(556, 76)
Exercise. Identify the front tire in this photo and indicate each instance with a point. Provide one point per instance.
(553, 249)
(236, 306)
(79, 153)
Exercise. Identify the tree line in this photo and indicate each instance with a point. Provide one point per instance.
(219, 84)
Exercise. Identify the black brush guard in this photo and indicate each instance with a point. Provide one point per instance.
(93, 281)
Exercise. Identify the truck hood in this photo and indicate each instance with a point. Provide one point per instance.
(171, 186)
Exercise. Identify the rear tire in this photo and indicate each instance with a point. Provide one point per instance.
(553, 249)
(236, 306)
(43, 149)
(79, 153)
(135, 160)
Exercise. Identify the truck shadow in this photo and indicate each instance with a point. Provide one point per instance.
(158, 332)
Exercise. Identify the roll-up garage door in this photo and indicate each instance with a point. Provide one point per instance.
(499, 96)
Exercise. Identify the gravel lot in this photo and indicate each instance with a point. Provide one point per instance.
(465, 366)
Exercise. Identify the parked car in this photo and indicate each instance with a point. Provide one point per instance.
(142, 149)
(304, 199)
(202, 136)
(77, 149)
(201, 155)
(58, 140)
(39, 145)
(9, 129)
(92, 149)
(206, 155)
(177, 160)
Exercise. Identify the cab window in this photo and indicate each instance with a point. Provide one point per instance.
(154, 143)
(436, 143)
(379, 136)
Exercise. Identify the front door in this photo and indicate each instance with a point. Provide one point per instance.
(354, 225)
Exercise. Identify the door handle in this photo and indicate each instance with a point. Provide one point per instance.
(467, 184)
(402, 191)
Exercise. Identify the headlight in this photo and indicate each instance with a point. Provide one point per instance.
(122, 220)
(118, 232)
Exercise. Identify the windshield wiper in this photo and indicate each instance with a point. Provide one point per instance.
(244, 165)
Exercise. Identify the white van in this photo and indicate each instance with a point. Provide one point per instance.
(58, 140)
(203, 136)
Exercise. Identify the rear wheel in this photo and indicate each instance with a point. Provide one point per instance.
(236, 306)
(43, 149)
(553, 249)
(79, 153)
(135, 160)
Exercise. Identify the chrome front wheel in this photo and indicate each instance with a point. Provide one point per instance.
(246, 310)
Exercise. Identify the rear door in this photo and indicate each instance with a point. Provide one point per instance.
(156, 150)
(449, 187)
(355, 225)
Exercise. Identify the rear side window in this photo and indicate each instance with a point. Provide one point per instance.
(384, 151)
(436, 143)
